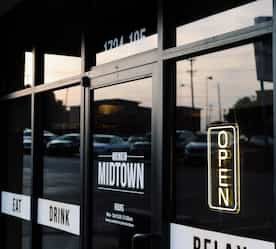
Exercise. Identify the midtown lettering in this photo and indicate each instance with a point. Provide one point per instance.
(121, 175)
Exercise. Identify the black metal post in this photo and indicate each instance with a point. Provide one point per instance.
(37, 148)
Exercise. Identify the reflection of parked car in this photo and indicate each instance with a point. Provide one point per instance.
(27, 132)
(196, 151)
(182, 138)
(64, 145)
(133, 139)
(261, 141)
(140, 145)
(47, 137)
(27, 139)
(141, 148)
(107, 143)
(27, 143)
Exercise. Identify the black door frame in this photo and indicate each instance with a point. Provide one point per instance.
(119, 72)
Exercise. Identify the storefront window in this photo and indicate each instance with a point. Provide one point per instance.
(61, 168)
(227, 88)
(16, 172)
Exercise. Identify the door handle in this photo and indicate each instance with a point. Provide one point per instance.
(143, 236)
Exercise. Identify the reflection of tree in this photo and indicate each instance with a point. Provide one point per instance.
(57, 118)
(244, 102)
(253, 116)
(28, 86)
(255, 119)
(56, 106)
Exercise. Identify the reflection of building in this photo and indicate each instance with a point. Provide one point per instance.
(187, 118)
(74, 117)
(110, 113)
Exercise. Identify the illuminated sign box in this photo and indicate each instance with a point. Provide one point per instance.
(224, 168)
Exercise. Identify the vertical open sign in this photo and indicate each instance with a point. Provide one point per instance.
(224, 168)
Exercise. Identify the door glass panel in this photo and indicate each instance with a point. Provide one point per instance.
(122, 163)
(230, 87)
(16, 171)
(58, 67)
(61, 159)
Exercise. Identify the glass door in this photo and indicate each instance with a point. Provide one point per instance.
(121, 143)
(59, 201)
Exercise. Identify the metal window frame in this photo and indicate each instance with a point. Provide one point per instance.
(159, 64)
(274, 111)
(229, 39)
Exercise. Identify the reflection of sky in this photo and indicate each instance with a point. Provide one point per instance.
(233, 69)
(28, 77)
(58, 67)
(140, 91)
(227, 21)
(70, 96)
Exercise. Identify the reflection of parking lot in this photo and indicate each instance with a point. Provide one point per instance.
(51, 238)
(193, 204)
(55, 239)
(61, 176)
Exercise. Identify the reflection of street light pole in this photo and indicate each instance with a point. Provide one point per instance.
(210, 112)
(219, 102)
(207, 100)
(192, 71)
(182, 85)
